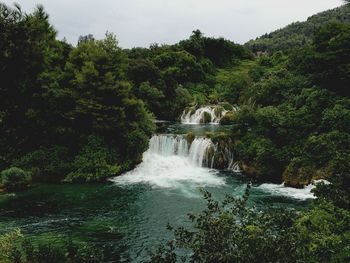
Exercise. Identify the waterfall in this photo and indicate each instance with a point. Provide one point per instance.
(173, 162)
(200, 152)
(234, 166)
(167, 145)
(207, 114)
(196, 152)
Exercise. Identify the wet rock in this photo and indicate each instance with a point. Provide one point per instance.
(190, 137)
(206, 118)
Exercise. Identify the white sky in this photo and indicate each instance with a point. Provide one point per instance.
(143, 22)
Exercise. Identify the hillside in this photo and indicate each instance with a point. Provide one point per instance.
(299, 33)
(105, 151)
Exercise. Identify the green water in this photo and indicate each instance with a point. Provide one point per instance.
(196, 129)
(128, 217)
(125, 220)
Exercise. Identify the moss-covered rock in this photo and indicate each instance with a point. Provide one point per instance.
(299, 178)
(222, 138)
(300, 173)
(190, 137)
(228, 118)
(220, 161)
(224, 150)
(218, 110)
(206, 118)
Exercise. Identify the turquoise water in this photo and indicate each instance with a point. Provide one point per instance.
(128, 216)
(126, 220)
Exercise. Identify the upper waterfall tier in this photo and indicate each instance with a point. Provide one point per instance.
(206, 114)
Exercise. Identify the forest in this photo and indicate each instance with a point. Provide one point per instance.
(81, 114)
(298, 34)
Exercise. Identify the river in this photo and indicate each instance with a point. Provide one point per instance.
(128, 216)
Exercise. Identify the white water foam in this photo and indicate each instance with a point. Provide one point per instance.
(171, 163)
(296, 193)
(169, 172)
(197, 117)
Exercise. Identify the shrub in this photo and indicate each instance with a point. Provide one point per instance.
(230, 231)
(94, 163)
(16, 248)
(234, 231)
(15, 179)
(47, 252)
(8, 244)
(48, 164)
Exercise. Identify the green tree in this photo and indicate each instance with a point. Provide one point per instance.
(327, 61)
(103, 104)
(27, 45)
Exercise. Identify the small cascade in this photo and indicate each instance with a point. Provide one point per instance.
(197, 151)
(207, 114)
(167, 145)
(234, 166)
(173, 162)
(201, 152)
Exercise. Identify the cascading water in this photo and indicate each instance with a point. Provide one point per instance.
(207, 114)
(171, 161)
(196, 152)
(200, 152)
(168, 145)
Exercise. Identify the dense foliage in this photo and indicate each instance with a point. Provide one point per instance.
(292, 124)
(233, 231)
(298, 34)
(294, 113)
(54, 97)
(15, 248)
(170, 78)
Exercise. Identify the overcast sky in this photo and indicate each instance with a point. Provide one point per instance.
(143, 22)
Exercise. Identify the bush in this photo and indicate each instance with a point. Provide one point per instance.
(94, 163)
(47, 252)
(15, 179)
(47, 164)
(8, 244)
(16, 248)
(234, 231)
(231, 231)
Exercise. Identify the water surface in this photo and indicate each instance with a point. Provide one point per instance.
(128, 216)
